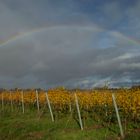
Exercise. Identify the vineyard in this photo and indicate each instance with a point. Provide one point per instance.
(96, 105)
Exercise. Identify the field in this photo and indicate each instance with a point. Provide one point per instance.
(27, 114)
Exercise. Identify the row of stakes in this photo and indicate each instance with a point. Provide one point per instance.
(77, 106)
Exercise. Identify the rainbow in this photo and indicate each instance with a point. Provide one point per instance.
(42, 29)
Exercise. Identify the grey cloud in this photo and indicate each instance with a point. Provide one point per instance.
(20, 16)
(73, 56)
(69, 56)
(13, 22)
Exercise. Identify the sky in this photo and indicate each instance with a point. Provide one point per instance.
(71, 43)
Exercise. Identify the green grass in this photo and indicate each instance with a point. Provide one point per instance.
(33, 126)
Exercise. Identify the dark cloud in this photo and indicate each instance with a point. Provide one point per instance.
(66, 55)
(80, 47)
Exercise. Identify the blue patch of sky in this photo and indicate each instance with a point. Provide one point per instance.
(106, 40)
(95, 11)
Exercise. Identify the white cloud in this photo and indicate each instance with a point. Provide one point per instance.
(133, 66)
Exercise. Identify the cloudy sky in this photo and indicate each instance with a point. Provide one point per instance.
(72, 43)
